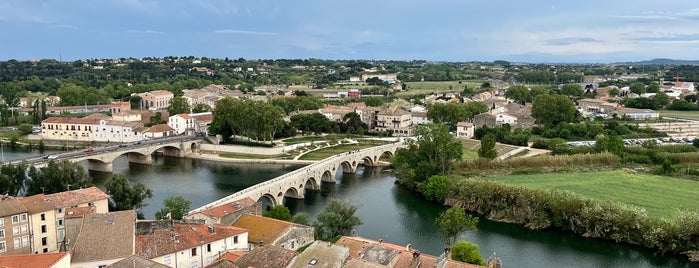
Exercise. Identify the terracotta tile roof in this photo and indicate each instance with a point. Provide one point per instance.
(161, 93)
(222, 263)
(105, 236)
(135, 261)
(267, 256)
(71, 120)
(160, 242)
(203, 117)
(232, 255)
(262, 228)
(464, 124)
(76, 197)
(11, 206)
(228, 208)
(32, 260)
(78, 212)
(159, 128)
(37, 203)
(185, 116)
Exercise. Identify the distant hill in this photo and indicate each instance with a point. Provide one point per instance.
(662, 62)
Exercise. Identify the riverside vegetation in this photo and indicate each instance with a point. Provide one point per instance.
(640, 195)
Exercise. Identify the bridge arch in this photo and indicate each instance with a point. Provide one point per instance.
(267, 201)
(368, 161)
(312, 184)
(327, 177)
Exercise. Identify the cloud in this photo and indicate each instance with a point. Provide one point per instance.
(64, 26)
(144, 32)
(570, 41)
(233, 31)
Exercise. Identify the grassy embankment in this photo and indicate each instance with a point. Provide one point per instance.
(417, 88)
(330, 151)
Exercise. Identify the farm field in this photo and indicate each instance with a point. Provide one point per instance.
(691, 115)
(333, 150)
(660, 196)
(438, 87)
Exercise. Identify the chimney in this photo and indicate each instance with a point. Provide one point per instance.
(176, 238)
(407, 247)
(212, 229)
(201, 238)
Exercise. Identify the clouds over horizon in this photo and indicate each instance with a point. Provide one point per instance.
(439, 30)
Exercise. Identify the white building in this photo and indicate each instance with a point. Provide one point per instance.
(181, 124)
(465, 130)
(187, 245)
(503, 118)
(117, 131)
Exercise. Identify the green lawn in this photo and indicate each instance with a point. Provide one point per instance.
(249, 156)
(471, 148)
(660, 196)
(693, 115)
(330, 151)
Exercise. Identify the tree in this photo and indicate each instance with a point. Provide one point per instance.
(475, 108)
(653, 87)
(433, 152)
(638, 88)
(353, 123)
(25, 129)
(56, 177)
(201, 107)
(178, 105)
(447, 113)
(467, 252)
(453, 222)
(157, 118)
(609, 143)
(551, 110)
(175, 207)
(661, 99)
(125, 197)
(335, 220)
(373, 101)
(435, 189)
(572, 90)
(614, 92)
(12, 178)
(279, 212)
(519, 94)
(301, 218)
(487, 149)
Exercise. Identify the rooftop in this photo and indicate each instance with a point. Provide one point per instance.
(11, 206)
(159, 128)
(161, 242)
(267, 256)
(32, 260)
(105, 236)
(76, 197)
(262, 228)
(135, 261)
(37, 203)
(228, 208)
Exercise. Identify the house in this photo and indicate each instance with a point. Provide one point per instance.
(48, 260)
(354, 93)
(275, 232)
(418, 109)
(266, 256)
(128, 116)
(384, 77)
(91, 197)
(181, 124)
(118, 107)
(187, 244)
(104, 238)
(419, 118)
(504, 118)
(202, 121)
(155, 100)
(322, 254)
(42, 223)
(596, 105)
(465, 130)
(637, 114)
(395, 120)
(117, 131)
(685, 87)
(68, 128)
(14, 227)
(158, 131)
(135, 261)
(228, 213)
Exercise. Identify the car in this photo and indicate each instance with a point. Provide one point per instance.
(89, 150)
(123, 145)
(137, 143)
(50, 156)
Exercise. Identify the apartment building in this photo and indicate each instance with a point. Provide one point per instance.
(42, 223)
(91, 197)
(14, 227)
(155, 100)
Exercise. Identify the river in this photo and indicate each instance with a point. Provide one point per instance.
(388, 211)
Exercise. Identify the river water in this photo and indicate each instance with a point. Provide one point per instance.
(388, 211)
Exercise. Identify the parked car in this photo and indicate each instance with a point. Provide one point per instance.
(50, 156)
(89, 150)
(123, 145)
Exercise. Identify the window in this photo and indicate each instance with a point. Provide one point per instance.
(59, 210)
(15, 218)
(25, 241)
(195, 264)
(208, 247)
(23, 217)
(17, 241)
(60, 222)
(25, 228)
(43, 229)
(2, 222)
(43, 216)
(15, 230)
(61, 235)
(46, 250)
(194, 252)
(3, 247)
(167, 260)
(235, 239)
(2, 233)
(43, 241)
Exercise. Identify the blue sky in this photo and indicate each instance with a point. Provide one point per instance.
(441, 30)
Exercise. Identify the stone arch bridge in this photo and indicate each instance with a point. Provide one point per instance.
(294, 183)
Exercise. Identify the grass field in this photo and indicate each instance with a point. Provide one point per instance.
(692, 115)
(660, 196)
(415, 88)
(330, 151)
(471, 148)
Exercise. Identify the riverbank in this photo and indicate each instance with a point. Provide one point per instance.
(217, 158)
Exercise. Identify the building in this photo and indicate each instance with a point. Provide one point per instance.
(118, 107)
(42, 223)
(186, 244)
(104, 238)
(135, 261)
(202, 121)
(158, 131)
(182, 124)
(323, 254)
(465, 130)
(637, 114)
(68, 128)
(155, 100)
(391, 77)
(48, 260)
(91, 197)
(685, 87)
(128, 116)
(14, 227)
(275, 232)
(117, 131)
(394, 120)
(228, 213)
(419, 118)
(266, 256)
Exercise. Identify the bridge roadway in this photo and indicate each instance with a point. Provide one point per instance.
(101, 158)
(309, 177)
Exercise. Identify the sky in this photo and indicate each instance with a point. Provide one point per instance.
(589, 31)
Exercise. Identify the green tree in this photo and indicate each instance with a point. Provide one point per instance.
(178, 105)
(301, 218)
(25, 129)
(447, 113)
(279, 212)
(435, 189)
(453, 222)
(433, 152)
(475, 108)
(572, 90)
(638, 88)
(519, 94)
(487, 149)
(56, 177)
(126, 197)
(335, 220)
(156, 119)
(12, 178)
(609, 143)
(354, 123)
(175, 206)
(667, 167)
(661, 99)
(614, 92)
(201, 107)
(373, 101)
(467, 252)
(551, 110)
